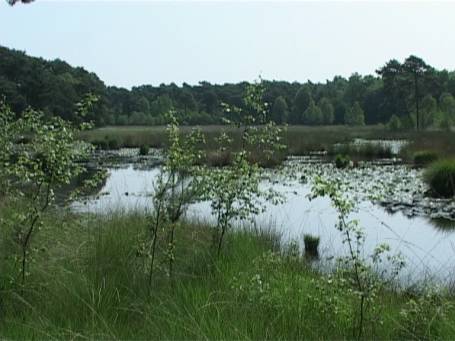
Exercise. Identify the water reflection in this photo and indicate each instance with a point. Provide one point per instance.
(445, 225)
(428, 245)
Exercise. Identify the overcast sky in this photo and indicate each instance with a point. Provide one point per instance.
(131, 43)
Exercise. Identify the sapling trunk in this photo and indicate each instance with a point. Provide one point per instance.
(34, 220)
(220, 241)
(171, 250)
(154, 241)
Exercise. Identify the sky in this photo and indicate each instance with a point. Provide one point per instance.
(130, 43)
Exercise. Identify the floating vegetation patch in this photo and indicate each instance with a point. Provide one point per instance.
(396, 187)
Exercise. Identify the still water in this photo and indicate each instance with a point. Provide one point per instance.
(427, 246)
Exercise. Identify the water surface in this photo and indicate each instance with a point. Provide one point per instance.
(428, 245)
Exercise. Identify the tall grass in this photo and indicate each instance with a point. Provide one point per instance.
(440, 177)
(89, 281)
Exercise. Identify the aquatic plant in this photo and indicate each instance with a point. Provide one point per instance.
(342, 161)
(144, 150)
(440, 177)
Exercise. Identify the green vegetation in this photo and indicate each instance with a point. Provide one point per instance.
(425, 157)
(32, 169)
(418, 95)
(354, 116)
(179, 184)
(89, 281)
(299, 140)
(395, 123)
(154, 275)
(440, 177)
(367, 150)
(144, 150)
(442, 143)
(342, 161)
(234, 190)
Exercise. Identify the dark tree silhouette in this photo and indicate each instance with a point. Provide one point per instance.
(13, 2)
(54, 86)
(416, 68)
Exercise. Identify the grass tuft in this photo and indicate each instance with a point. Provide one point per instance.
(440, 177)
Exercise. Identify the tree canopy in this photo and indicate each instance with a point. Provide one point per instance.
(398, 89)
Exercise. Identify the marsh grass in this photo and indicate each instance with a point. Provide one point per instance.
(144, 150)
(88, 281)
(299, 140)
(440, 177)
(367, 151)
(439, 142)
(425, 157)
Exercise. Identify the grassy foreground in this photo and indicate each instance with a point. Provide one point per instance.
(87, 280)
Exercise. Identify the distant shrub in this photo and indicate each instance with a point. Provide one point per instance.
(408, 122)
(440, 176)
(311, 245)
(144, 150)
(445, 123)
(394, 123)
(342, 161)
(425, 157)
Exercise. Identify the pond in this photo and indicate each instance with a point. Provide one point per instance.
(421, 229)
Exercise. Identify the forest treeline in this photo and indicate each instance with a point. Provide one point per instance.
(408, 94)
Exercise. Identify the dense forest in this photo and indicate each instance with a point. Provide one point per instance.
(408, 94)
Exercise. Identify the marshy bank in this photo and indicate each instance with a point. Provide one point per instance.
(299, 140)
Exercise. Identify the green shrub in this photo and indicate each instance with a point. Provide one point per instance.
(440, 176)
(423, 316)
(342, 161)
(425, 157)
(394, 123)
(311, 245)
(144, 150)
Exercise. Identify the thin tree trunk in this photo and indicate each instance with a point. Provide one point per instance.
(155, 237)
(171, 251)
(220, 241)
(26, 242)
